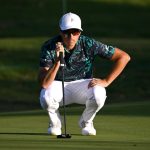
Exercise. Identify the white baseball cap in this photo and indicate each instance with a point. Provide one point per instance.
(70, 21)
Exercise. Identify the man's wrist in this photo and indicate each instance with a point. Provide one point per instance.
(57, 59)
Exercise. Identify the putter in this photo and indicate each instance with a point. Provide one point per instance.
(65, 135)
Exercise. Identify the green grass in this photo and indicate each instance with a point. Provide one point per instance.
(118, 128)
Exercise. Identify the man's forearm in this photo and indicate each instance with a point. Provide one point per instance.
(117, 68)
(51, 74)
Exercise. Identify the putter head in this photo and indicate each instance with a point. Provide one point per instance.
(64, 136)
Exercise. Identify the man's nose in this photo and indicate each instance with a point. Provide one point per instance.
(69, 35)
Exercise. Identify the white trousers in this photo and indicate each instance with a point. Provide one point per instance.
(75, 92)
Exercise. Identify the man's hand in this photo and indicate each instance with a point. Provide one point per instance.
(59, 48)
(100, 82)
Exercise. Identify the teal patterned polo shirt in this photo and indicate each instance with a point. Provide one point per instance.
(78, 62)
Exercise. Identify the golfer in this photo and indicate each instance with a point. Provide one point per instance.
(80, 86)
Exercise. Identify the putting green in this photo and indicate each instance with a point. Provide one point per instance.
(27, 130)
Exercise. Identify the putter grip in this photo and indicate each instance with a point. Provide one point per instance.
(61, 59)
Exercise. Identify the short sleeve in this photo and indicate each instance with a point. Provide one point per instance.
(98, 48)
(103, 50)
(45, 57)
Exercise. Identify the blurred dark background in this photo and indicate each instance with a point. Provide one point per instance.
(101, 18)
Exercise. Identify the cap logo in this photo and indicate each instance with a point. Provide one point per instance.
(72, 19)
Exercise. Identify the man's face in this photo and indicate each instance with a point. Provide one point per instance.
(70, 37)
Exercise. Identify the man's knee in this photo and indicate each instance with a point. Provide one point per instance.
(48, 102)
(99, 96)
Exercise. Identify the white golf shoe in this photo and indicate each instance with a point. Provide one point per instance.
(54, 126)
(54, 131)
(87, 128)
(88, 131)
